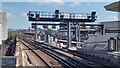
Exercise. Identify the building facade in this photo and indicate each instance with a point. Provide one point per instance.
(111, 27)
(4, 26)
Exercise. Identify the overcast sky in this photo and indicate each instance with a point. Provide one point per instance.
(17, 11)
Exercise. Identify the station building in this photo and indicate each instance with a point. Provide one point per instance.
(109, 40)
(113, 26)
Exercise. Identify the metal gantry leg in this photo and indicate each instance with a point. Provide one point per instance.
(36, 32)
(117, 44)
(68, 35)
(79, 33)
(76, 33)
(102, 30)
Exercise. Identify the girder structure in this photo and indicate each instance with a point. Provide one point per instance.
(65, 17)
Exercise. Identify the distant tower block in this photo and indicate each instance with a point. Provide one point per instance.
(3, 21)
(0, 34)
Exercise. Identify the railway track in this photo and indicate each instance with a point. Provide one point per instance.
(64, 59)
(78, 58)
(48, 62)
(67, 60)
(91, 60)
(85, 60)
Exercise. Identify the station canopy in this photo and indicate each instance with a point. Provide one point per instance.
(113, 7)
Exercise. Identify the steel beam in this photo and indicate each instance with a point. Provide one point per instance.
(68, 35)
(58, 20)
(66, 24)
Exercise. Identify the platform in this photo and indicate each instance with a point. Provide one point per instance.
(102, 54)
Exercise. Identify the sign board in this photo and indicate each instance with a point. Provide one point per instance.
(9, 62)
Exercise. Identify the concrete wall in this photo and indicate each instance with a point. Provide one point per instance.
(3, 21)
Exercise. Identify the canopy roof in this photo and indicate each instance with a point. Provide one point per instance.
(113, 7)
